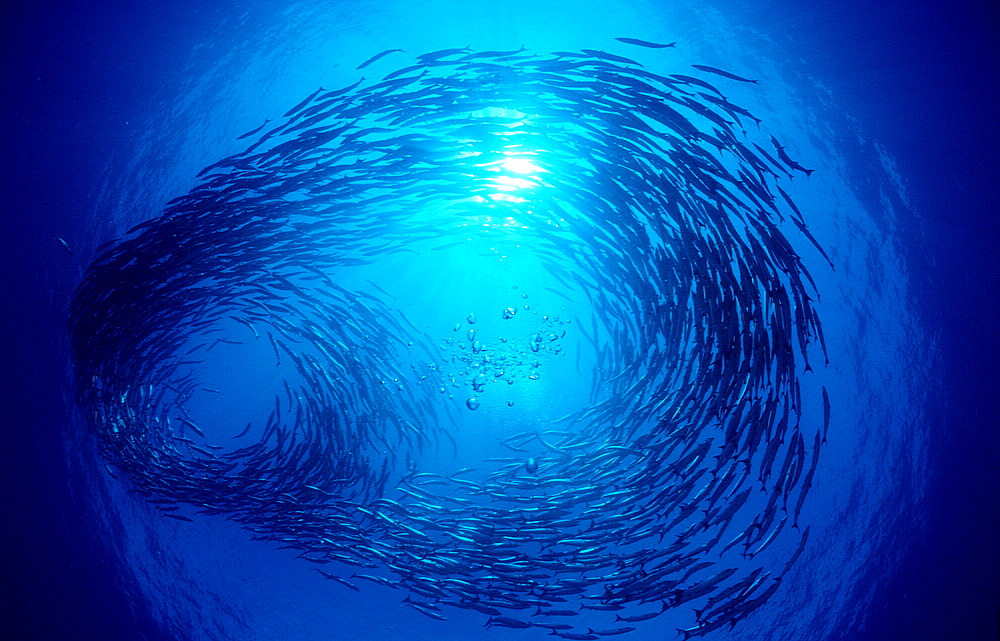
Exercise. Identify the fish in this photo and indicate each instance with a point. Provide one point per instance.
(377, 57)
(441, 53)
(646, 616)
(427, 611)
(506, 622)
(610, 56)
(645, 43)
(297, 108)
(783, 156)
(253, 131)
(723, 73)
(798, 552)
(826, 413)
(611, 631)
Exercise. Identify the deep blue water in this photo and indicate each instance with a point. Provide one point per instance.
(113, 109)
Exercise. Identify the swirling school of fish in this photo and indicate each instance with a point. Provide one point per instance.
(644, 191)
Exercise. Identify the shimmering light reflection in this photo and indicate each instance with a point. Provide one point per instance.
(520, 165)
(525, 172)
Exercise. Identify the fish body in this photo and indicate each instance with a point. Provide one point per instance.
(645, 43)
(377, 57)
(723, 73)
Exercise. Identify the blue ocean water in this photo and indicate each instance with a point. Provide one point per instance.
(113, 109)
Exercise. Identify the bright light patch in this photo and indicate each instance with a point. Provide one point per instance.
(520, 165)
(508, 198)
(515, 171)
(509, 183)
(497, 112)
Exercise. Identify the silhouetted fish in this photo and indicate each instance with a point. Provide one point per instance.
(376, 57)
(645, 43)
(723, 73)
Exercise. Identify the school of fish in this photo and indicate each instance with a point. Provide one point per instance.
(653, 194)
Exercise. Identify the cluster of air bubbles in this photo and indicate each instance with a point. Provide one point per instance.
(476, 360)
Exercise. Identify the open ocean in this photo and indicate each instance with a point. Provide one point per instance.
(512, 320)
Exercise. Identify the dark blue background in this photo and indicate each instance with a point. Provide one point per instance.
(921, 78)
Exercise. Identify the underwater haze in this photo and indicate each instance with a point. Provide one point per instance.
(382, 320)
